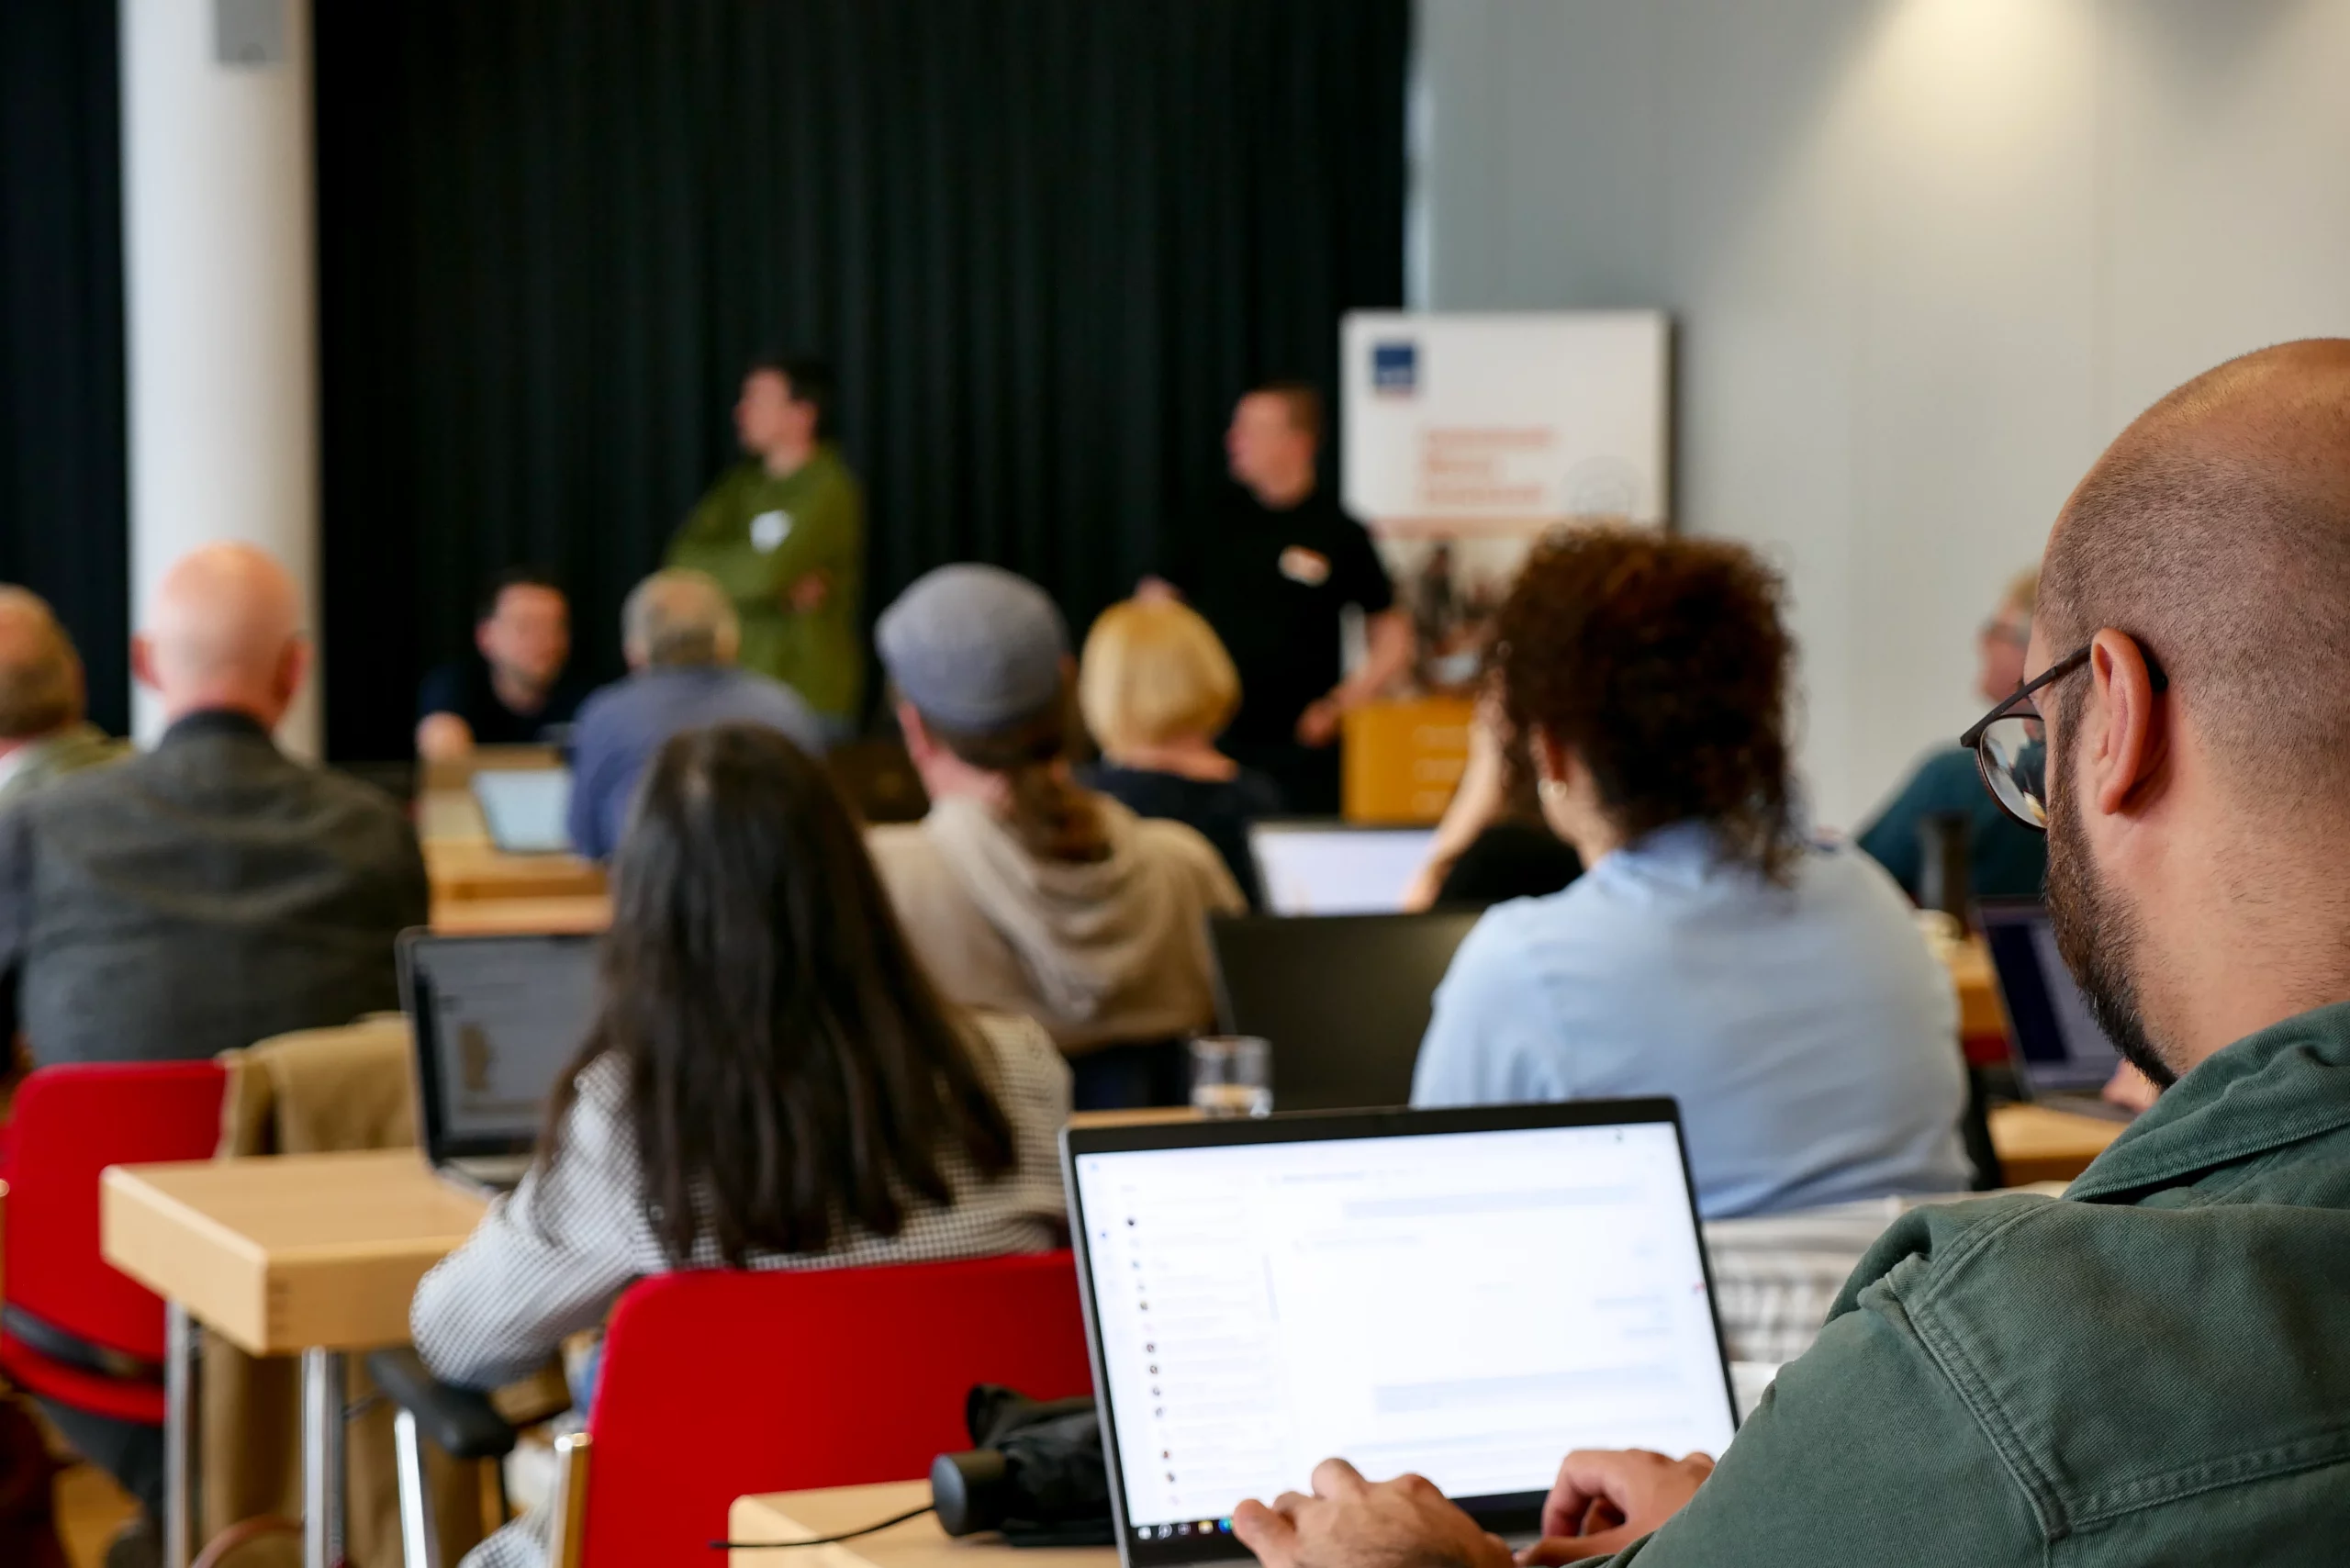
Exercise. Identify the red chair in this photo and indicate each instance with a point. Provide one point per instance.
(718, 1383)
(69, 1123)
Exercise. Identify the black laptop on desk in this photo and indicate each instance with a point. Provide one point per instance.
(1344, 999)
(2061, 1058)
(495, 1021)
(1471, 1294)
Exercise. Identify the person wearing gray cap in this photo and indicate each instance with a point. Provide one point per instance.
(1022, 891)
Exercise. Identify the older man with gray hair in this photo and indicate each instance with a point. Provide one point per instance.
(680, 637)
(43, 735)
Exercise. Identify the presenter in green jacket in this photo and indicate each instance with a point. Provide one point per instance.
(784, 531)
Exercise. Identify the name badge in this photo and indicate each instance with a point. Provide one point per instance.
(769, 530)
(1309, 568)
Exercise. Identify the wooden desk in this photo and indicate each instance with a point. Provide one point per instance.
(1981, 1015)
(2036, 1144)
(317, 1253)
(287, 1254)
(583, 915)
(917, 1543)
(461, 871)
(465, 866)
(449, 816)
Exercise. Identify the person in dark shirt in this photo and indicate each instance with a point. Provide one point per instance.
(199, 896)
(516, 691)
(1492, 845)
(2005, 860)
(1157, 689)
(1273, 569)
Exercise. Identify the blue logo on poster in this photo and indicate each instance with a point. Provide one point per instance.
(1395, 369)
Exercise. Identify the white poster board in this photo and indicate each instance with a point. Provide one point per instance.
(1469, 436)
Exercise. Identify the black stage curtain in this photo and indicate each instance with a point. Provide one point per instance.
(64, 526)
(1044, 243)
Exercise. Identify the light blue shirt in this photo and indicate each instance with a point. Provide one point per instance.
(623, 726)
(1809, 1036)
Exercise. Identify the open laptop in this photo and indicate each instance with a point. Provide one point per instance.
(1344, 999)
(527, 808)
(2062, 1057)
(1467, 1293)
(496, 1019)
(1319, 867)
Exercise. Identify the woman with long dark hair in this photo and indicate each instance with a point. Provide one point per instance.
(1714, 951)
(771, 1082)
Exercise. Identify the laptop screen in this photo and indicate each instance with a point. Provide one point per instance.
(1344, 999)
(497, 1020)
(1455, 1293)
(1330, 868)
(2059, 1046)
(526, 808)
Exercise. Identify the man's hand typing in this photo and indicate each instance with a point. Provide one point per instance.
(1352, 1523)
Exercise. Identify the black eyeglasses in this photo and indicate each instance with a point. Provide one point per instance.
(2011, 742)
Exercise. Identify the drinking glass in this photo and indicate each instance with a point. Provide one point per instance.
(1232, 1075)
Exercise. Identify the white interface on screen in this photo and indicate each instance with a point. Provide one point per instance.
(508, 1016)
(527, 808)
(1468, 1305)
(1337, 870)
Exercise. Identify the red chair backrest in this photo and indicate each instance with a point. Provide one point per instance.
(68, 1125)
(716, 1384)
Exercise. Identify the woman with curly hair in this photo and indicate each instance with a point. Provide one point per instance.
(1778, 988)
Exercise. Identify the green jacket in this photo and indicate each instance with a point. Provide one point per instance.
(759, 535)
(47, 761)
(2154, 1369)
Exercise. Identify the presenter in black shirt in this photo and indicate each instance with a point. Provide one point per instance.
(1273, 569)
(516, 689)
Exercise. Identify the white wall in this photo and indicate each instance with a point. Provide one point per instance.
(1926, 257)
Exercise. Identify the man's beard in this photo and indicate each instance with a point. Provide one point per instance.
(2096, 934)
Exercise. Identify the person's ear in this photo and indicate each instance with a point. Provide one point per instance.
(142, 662)
(2127, 742)
(1554, 762)
(919, 745)
(482, 638)
(293, 668)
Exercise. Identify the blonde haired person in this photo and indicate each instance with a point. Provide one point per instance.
(1157, 689)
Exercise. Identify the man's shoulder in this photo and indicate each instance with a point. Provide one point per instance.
(916, 876)
(754, 697)
(2086, 1340)
(451, 687)
(603, 706)
(833, 475)
(1180, 845)
(731, 489)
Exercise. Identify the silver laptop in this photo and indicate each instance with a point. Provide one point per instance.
(2061, 1058)
(1319, 867)
(1467, 1293)
(496, 1020)
(528, 809)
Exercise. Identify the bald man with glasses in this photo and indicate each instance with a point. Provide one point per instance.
(2154, 1369)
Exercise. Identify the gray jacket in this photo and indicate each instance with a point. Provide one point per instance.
(45, 761)
(201, 896)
